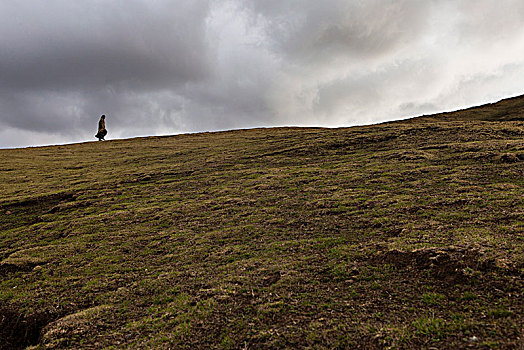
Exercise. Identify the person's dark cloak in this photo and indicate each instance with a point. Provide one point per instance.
(102, 132)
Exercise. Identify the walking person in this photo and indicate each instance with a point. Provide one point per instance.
(102, 132)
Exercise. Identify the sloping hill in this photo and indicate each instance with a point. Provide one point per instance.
(406, 235)
(511, 109)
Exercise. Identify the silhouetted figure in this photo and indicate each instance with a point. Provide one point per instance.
(102, 132)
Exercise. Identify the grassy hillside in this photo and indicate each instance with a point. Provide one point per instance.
(403, 235)
(511, 109)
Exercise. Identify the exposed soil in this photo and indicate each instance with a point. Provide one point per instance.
(18, 331)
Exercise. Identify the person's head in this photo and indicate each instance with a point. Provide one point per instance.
(103, 116)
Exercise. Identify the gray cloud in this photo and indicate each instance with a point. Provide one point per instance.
(321, 32)
(160, 67)
(385, 55)
(56, 44)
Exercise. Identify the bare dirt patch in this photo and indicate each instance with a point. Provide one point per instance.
(18, 330)
(445, 263)
(28, 211)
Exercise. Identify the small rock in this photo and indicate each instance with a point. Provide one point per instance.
(473, 339)
(8, 212)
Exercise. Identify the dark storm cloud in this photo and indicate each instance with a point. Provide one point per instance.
(160, 67)
(62, 44)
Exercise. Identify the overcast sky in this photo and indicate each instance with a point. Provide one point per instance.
(158, 67)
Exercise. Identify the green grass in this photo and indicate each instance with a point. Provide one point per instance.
(399, 235)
